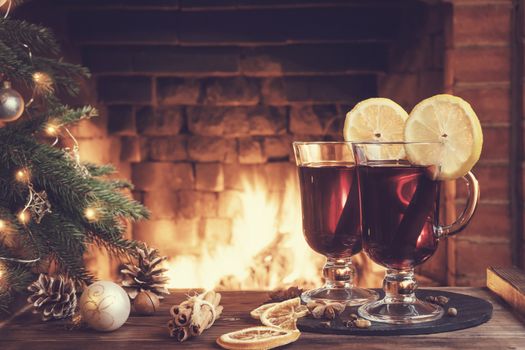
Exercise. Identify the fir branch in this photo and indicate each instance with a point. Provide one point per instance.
(40, 39)
(100, 170)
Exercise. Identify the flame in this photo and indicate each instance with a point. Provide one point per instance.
(267, 248)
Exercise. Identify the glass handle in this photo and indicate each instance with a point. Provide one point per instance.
(466, 215)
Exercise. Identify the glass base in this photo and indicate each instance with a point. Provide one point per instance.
(396, 312)
(350, 296)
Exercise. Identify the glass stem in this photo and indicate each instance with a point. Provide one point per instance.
(400, 286)
(339, 273)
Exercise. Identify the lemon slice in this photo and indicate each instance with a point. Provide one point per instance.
(452, 124)
(256, 313)
(285, 314)
(377, 119)
(257, 338)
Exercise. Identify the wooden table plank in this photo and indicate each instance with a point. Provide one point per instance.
(504, 331)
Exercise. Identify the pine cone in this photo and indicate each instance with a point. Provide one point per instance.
(146, 275)
(53, 297)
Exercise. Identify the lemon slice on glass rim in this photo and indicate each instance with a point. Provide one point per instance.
(377, 120)
(453, 132)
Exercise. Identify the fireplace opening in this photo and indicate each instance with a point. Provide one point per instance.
(200, 103)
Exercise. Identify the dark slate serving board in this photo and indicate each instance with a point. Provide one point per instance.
(471, 312)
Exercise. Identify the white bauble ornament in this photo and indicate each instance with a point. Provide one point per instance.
(11, 103)
(104, 306)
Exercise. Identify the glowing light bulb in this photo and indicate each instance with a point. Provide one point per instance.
(43, 82)
(23, 175)
(91, 214)
(51, 129)
(24, 217)
(3, 225)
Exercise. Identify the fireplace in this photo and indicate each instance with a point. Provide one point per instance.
(200, 101)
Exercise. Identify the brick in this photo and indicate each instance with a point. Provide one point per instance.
(266, 121)
(474, 257)
(149, 176)
(297, 59)
(251, 151)
(134, 90)
(215, 230)
(100, 150)
(235, 122)
(277, 174)
(94, 127)
(345, 89)
(207, 149)
(243, 176)
(206, 120)
(232, 92)
(492, 104)
(277, 147)
(493, 182)
(329, 23)
(498, 139)
(161, 203)
(471, 280)
(171, 237)
(173, 91)
(189, 204)
(210, 204)
(482, 64)
(273, 92)
(133, 149)
(161, 60)
(209, 177)
(492, 220)
(124, 26)
(303, 120)
(167, 148)
(232, 154)
(121, 120)
(230, 204)
(400, 87)
(160, 122)
(482, 24)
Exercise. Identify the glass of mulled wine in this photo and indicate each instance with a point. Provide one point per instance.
(400, 223)
(331, 217)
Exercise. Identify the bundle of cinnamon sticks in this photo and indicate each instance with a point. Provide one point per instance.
(194, 316)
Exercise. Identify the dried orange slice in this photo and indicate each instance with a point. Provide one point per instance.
(257, 338)
(256, 313)
(285, 314)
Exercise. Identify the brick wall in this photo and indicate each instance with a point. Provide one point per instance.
(196, 95)
(478, 69)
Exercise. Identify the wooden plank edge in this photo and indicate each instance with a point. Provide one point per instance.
(509, 284)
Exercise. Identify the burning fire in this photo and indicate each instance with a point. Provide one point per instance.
(267, 249)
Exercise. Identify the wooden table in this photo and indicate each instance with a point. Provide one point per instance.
(25, 331)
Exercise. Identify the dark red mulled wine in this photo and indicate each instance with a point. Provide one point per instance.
(399, 203)
(331, 210)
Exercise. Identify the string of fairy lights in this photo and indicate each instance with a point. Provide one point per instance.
(37, 203)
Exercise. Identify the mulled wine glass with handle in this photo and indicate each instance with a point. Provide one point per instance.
(331, 217)
(400, 218)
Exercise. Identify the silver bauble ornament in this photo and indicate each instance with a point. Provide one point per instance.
(104, 306)
(11, 103)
